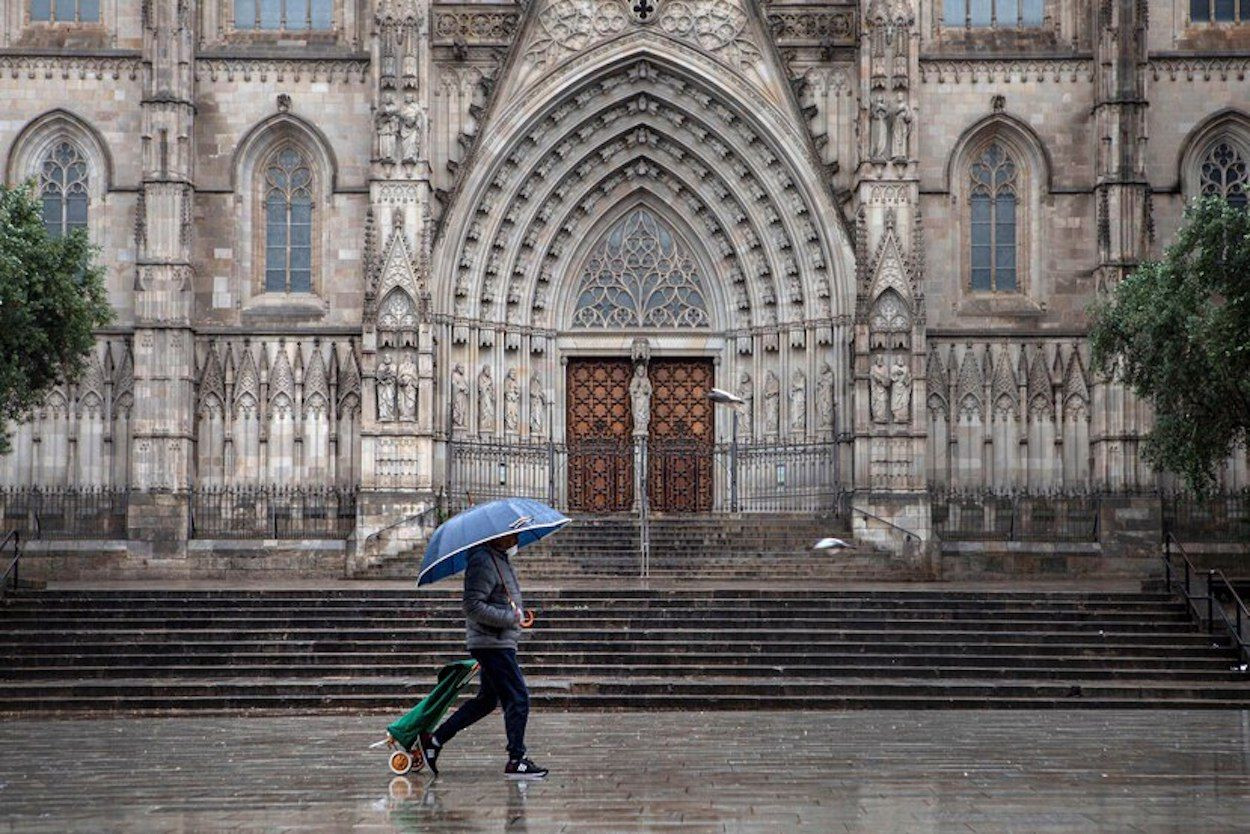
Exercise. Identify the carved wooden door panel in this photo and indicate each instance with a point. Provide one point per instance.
(599, 424)
(680, 438)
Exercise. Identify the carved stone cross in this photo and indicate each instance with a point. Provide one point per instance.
(643, 9)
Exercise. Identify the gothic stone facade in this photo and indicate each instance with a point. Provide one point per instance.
(336, 231)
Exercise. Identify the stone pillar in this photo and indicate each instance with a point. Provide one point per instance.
(163, 342)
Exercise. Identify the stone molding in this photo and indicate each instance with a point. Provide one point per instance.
(814, 25)
(66, 66)
(973, 70)
(475, 25)
(1199, 69)
(282, 69)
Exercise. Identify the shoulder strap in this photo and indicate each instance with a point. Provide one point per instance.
(498, 570)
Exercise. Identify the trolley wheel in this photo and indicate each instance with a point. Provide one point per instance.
(400, 788)
(400, 762)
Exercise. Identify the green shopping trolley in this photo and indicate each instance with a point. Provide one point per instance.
(402, 735)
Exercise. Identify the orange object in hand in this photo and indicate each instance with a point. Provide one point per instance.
(527, 619)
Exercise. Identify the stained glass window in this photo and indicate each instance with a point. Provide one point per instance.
(1224, 174)
(65, 11)
(63, 188)
(641, 274)
(288, 223)
(1223, 11)
(284, 15)
(1003, 13)
(993, 198)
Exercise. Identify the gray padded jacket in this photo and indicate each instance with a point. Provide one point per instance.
(489, 620)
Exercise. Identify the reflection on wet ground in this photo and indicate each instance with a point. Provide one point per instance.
(690, 772)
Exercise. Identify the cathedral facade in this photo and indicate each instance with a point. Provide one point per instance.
(418, 249)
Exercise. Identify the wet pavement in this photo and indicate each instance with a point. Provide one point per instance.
(870, 771)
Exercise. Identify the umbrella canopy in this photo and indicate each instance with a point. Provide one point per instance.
(448, 550)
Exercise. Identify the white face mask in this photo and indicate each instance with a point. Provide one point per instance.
(511, 551)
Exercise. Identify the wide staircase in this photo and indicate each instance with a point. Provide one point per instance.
(360, 648)
(686, 547)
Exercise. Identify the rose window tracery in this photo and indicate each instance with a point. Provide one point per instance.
(1224, 175)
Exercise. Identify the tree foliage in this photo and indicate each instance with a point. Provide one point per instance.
(52, 297)
(1178, 332)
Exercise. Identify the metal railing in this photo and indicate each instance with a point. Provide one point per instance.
(782, 476)
(1215, 518)
(482, 470)
(13, 538)
(1208, 595)
(273, 512)
(65, 512)
(985, 516)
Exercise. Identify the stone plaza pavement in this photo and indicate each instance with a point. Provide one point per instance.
(862, 771)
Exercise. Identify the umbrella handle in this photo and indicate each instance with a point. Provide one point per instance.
(527, 619)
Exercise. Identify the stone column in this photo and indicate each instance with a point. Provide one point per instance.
(163, 342)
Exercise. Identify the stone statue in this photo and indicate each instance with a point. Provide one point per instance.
(388, 65)
(411, 129)
(387, 121)
(824, 398)
(511, 403)
(410, 61)
(798, 403)
(386, 388)
(772, 403)
(879, 401)
(459, 397)
(900, 131)
(746, 391)
(485, 401)
(407, 379)
(538, 406)
(879, 135)
(900, 392)
(640, 397)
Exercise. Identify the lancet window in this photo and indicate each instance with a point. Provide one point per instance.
(63, 189)
(994, 199)
(284, 15)
(65, 11)
(998, 13)
(288, 223)
(1220, 11)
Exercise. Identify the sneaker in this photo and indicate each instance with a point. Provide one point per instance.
(523, 769)
(429, 752)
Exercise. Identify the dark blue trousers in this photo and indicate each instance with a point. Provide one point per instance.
(499, 683)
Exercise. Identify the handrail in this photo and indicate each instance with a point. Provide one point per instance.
(1183, 587)
(907, 533)
(15, 537)
(433, 508)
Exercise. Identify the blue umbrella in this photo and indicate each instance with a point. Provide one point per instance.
(449, 547)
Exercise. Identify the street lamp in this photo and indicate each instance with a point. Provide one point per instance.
(722, 397)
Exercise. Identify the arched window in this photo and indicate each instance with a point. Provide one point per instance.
(1220, 11)
(997, 13)
(63, 188)
(641, 274)
(288, 222)
(993, 196)
(284, 15)
(65, 11)
(1223, 173)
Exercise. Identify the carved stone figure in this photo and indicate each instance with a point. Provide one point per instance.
(879, 134)
(511, 403)
(386, 389)
(485, 401)
(387, 121)
(459, 397)
(772, 404)
(879, 400)
(538, 406)
(407, 380)
(640, 398)
(411, 130)
(746, 391)
(900, 131)
(798, 403)
(824, 398)
(900, 392)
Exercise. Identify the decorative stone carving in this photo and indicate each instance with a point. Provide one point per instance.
(798, 403)
(824, 398)
(538, 407)
(387, 123)
(511, 402)
(879, 131)
(459, 397)
(406, 379)
(772, 404)
(746, 392)
(640, 399)
(900, 131)
(485, 401)
(879, 393)
(900, 392)
(411, 130)
(387, 388)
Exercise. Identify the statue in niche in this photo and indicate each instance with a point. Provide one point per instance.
(387, 122)
(459, 397)
(900, 391)
(640, 398)
(511, 403)
(879, 400)
(746, 392)
(388, 63)
(386, 388)
(411, 130)
(406, 377)
(798, 403)
(879, 134)
(900, 130)
(538, 406)
(772, 404)
(410, 61)
(485, 401)
(824, 398)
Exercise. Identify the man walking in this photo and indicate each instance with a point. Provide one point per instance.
(493, 622)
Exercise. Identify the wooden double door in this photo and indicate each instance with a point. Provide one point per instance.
(599, 428)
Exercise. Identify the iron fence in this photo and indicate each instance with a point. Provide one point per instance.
(1217, 518)
(482, 470)
(1015, 517)
(64, 512)
(272, 512)
(779, 476)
